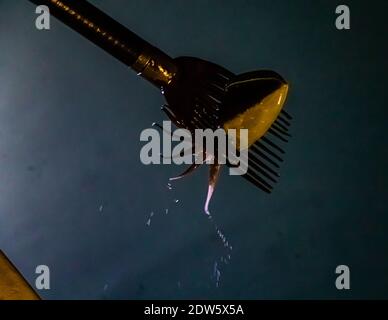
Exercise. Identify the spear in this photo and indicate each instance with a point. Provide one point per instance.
(199, 94)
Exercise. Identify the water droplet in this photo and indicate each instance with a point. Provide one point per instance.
(216, 274)
(166, 211)
(176, 200)
(101, 208)
(148, 222)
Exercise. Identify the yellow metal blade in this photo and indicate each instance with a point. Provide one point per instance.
(13, 286)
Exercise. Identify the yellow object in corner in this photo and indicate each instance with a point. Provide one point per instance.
(13, 286)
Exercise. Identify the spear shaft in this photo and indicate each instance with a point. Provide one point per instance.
(105, 32)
